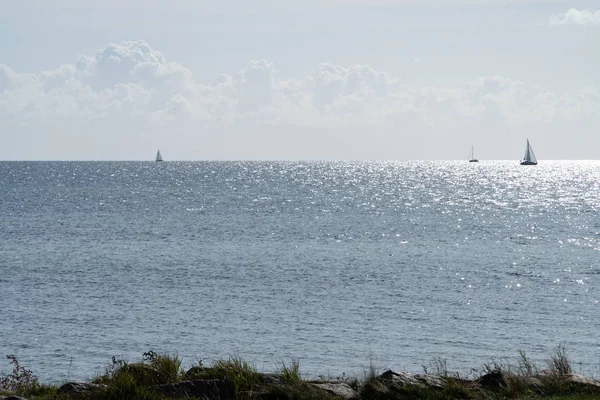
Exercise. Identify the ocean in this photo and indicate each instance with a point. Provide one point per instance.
(338, 265)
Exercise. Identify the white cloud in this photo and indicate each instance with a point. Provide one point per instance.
(131, 87)
(131, 79)
(577, 17)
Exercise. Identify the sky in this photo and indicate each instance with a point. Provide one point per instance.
(299, 79)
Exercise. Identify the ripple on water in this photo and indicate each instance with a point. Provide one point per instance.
(332, 263)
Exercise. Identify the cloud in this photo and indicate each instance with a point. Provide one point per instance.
(576, 17)
(132, 84)
(255, 86)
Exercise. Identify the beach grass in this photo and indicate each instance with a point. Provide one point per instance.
(160, 376)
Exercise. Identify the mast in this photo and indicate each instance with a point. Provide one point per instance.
(472, 158)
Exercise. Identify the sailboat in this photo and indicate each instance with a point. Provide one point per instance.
(529, 157)
(158, 156)
(472, 158)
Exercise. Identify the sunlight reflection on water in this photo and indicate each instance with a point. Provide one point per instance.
(328, 262)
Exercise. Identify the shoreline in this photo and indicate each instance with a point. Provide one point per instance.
(162, 376)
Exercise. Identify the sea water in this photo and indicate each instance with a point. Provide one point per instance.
(338, 265)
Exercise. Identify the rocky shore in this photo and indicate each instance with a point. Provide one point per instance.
(161, 377)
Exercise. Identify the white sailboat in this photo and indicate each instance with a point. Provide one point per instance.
(529, 157)
(158, 156)
(472, 158)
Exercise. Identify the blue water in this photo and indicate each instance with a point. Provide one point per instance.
(335, 264)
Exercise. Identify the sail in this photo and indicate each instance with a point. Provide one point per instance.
(529, 155)
(158, 156)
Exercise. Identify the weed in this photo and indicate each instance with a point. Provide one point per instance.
(372, 373)
(559, 363)
(440, 367)
(21, 378)
(110, 371)
(239, 373)
(125, 387)
(495, 365)
(454, 390)
(371, 387)
(167, 366)
(291, 373)
(38, 391)
(526, 367)
(517, 386)
(354, 383)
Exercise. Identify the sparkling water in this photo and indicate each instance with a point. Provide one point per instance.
(338, 265)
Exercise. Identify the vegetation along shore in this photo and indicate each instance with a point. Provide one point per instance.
(162, 376)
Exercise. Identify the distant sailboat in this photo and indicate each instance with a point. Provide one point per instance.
(529, 157)
(472, 158)
(158, 156)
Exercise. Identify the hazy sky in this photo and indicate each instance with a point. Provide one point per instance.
(299, 79)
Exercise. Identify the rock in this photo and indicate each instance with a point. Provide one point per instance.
(271, 379)
(494, 380)
(270, 396)
(403, 378)
(532, 382)
(570, 382)
(210, 389)
(577, 379)
(394, 384)
(398, 378)
(340, 389)
(80, 388)
(499, 380)
(432, 381)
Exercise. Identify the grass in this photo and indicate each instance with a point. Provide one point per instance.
(155, 369)
(526, 366)
(241, 375)
(127, 386)
(167, 366)
(371, 374)
(141, 380)
(291, 373)
(559, 363)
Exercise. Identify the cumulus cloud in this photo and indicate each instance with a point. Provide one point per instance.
(134, 82)
(255, 86)
(576, 17)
